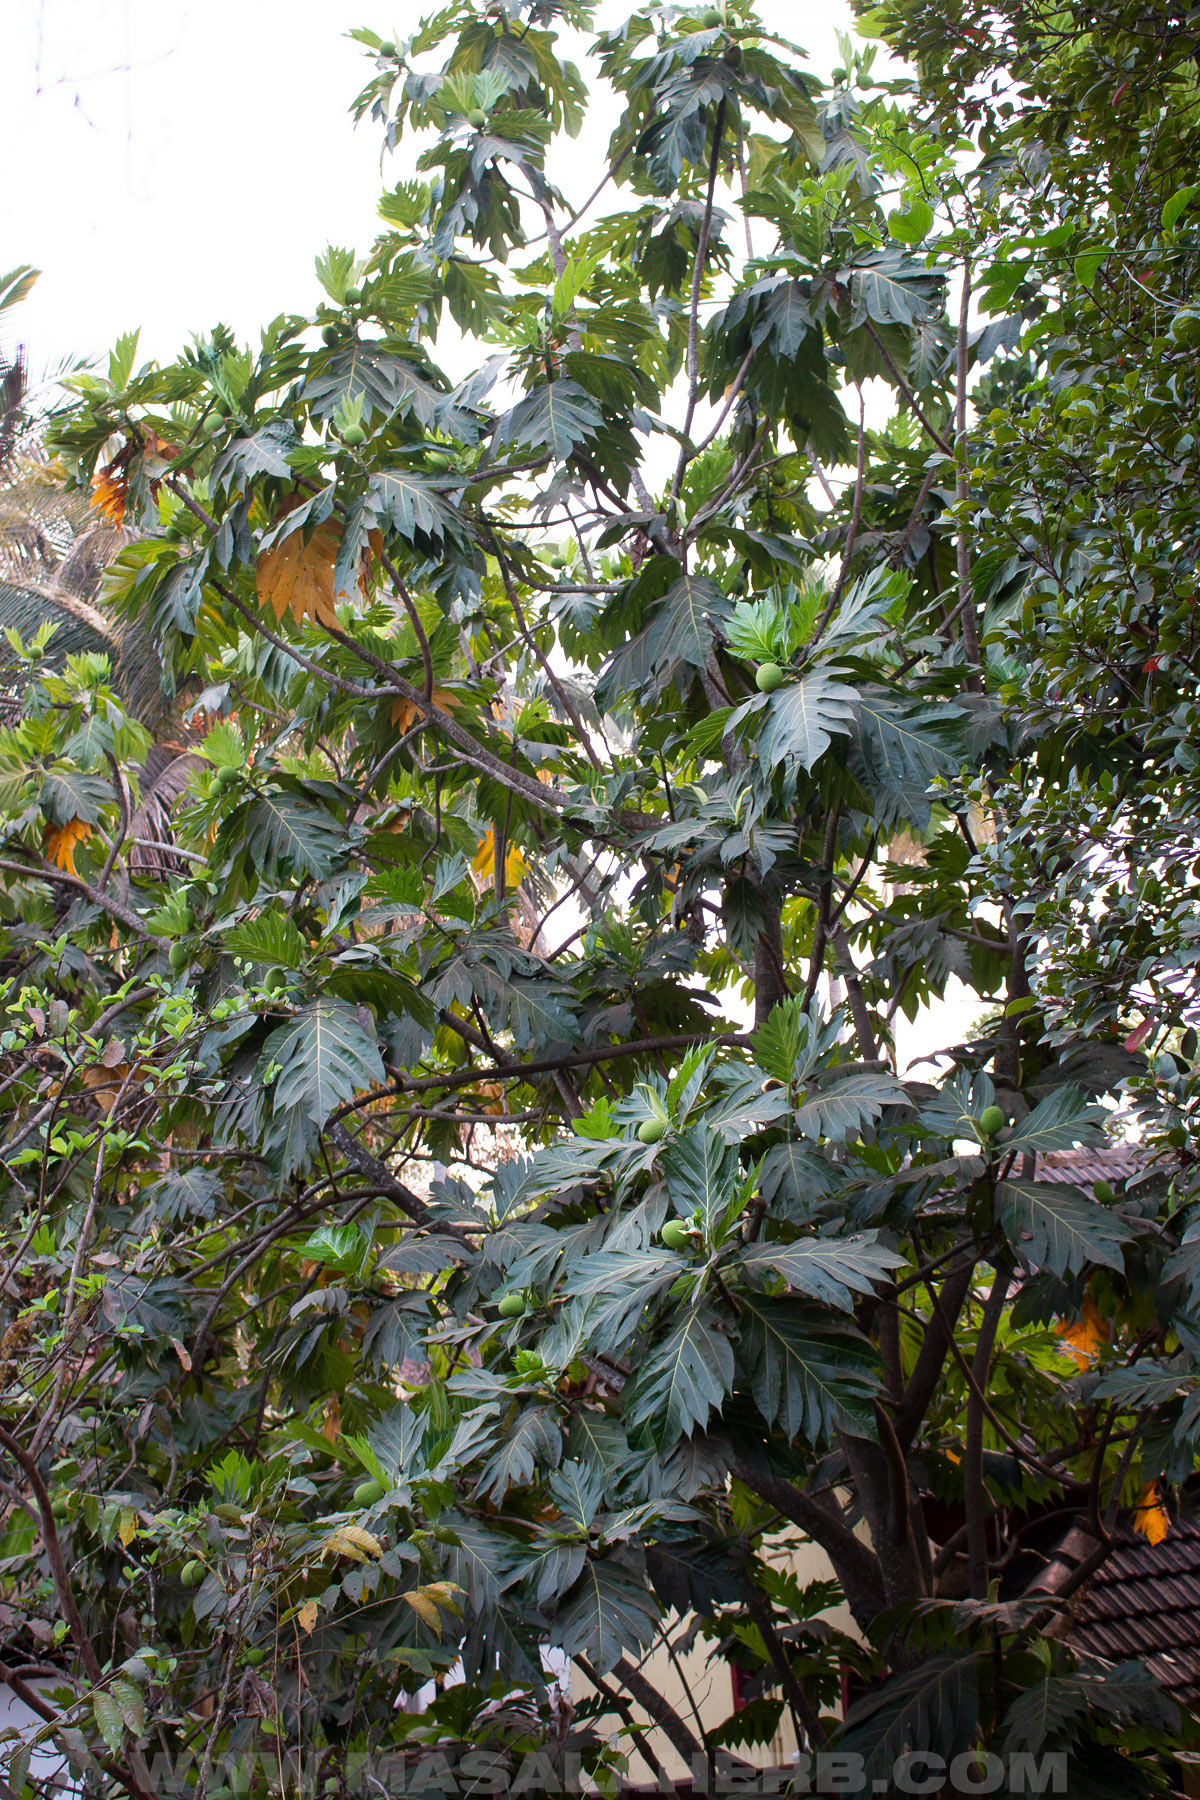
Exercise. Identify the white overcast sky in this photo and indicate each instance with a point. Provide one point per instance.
(169, 163)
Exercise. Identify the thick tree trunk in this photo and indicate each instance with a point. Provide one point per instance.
(770, 979)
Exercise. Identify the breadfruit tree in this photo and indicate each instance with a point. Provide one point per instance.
(460, 1197)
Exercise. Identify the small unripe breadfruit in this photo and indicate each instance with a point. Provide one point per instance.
(675, 1235)
(354, 435)
(477, 117)
(192, 1573)
(1185, 327)
(1103, 1191)
(991, 1120)
(511, 1306)
(353, 296)
(652, 1131)
(769, 677)
(368, 1492)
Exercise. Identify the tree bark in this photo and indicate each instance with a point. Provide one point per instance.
(855, 1565)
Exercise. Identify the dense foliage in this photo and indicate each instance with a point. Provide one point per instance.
(445, 1213)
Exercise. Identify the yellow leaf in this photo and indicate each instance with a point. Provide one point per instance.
(484, 860)
(306, 1618)
(127, 1526)
(1085, 1337)
(425, 1609)
(296, 574)
(1149, 1515)
(333, 1419)
(365, 1540)
(342, 1545)
(60, 841)
(444, 1594)
(110, 488)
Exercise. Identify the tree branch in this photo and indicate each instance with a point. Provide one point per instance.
(856, 1566)
(966, 599)
(974, 1491)
(693, 344)
(660, 1710)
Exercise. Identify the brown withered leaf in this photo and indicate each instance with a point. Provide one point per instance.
(110, 490)
(60, 842)
(406, 712)
(296, 575)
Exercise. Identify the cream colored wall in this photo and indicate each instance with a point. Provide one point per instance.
(700, 1691)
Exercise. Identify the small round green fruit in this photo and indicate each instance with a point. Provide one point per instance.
(769, 677)
(1103, 1190)
(1185, 327)
(254, 1656)
(354, 435)
(387, 48)
(991, 1120)
(275, 980)
(710, 18)
(368, 1492)
(60, 1507)
(675, 1235)
(331, 334)
(179, 956)
(192, 1573)
(226, 778)
(558, 562)
(511, 1306)
(353, 296)
(652, 1131)
(477, 117)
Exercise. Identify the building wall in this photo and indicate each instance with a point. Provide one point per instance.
(701, 1691)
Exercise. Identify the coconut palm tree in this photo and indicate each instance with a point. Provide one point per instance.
(54, 550)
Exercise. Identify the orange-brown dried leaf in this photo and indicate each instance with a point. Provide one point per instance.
(405, 713)
(1085, 1337)
(296, 575)
(110, 491)
(153, 445)
(61, 841)
(1150, 1516)
(105, 1085)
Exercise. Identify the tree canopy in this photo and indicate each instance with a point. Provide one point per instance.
(459, 1194)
